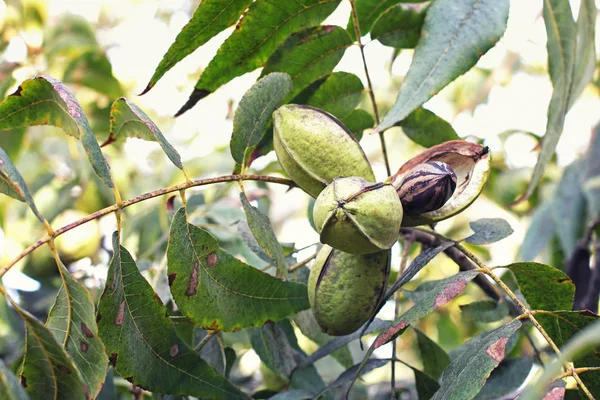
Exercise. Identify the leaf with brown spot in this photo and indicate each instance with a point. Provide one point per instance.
(212, 259)
(174, 350)
(438, 293)
(467, 373)
(73, 312)
(120, 314)
(46, 362)
(230, 295)
(192, 288)
(145, 339)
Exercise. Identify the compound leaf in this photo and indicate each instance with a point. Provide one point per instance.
(266, 25)
(210, 18)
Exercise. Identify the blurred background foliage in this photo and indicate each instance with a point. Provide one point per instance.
(107, 49)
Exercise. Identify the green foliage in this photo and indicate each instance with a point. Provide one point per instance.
(448, 49)
(210, 303)
(217, 291)
(142, 342)
(71, 320)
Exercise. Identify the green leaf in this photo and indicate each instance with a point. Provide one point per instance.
(45, 101)
(434, 358)
(506, 378)
(279, 351)
(585, 54)
(485, 311)
(261, 229)
(294, 394)
(10, 388)
(416, 265)
(367, 12)
(399, 26)
(73, 324)
(13, 185)
(217, 291)
(274, 349)
(47, 371)
(357, 121)
(427, 129)
(438, 295)
(309, 327)
(562, 326)
(337, 343)
(338, 95)
(426, 386)
(540, 232)
(128, 120)
(309, 55)
(254, 112)
(544, 287)
(570, 206)
(141, 341)
(210, 18)
(71, 35)
(466, 375)
(11, 140)
(456, 33)
(266, 25)
(562, 41)
(489, 230)
(348, 375)
(93, 70)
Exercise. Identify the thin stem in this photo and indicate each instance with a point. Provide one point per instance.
(138, 199)
(205, 340)
(577, 370)
(301, 263)
(371, 92)
(403, 261)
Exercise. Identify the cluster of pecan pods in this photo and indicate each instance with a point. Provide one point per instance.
(359, 219)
